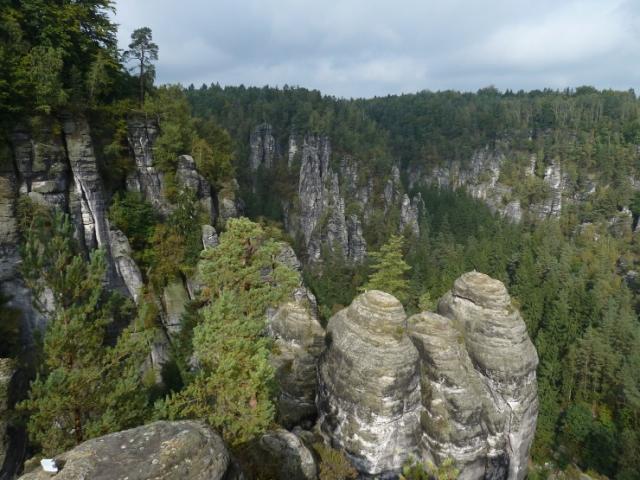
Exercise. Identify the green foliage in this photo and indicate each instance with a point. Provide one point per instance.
(212, 151)
(84, 388)
(234, 389)
(56, 55)
(143, 51)
(333, 464)
(389, 270)
(414, 470)
(136, 218)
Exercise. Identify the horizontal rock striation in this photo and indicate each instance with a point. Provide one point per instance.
(369, 396)
(504, 358)
(459, 384)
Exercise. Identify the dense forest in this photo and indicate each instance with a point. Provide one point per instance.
(568, 274)
(572, 276)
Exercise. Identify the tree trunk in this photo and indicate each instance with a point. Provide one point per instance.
(142, 82)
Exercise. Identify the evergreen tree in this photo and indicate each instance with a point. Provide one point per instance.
(84, 387)
(143, 51)
(234, 388)
(389, 270)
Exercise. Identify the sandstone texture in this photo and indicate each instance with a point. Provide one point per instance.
(160, 451)
(505, 360)
(290, 458)
(460, 383)
(299, 341)
(369, 393)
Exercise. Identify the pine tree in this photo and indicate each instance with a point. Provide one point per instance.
(143, 51)
(234, 388)
(389, 270)
(84, 388)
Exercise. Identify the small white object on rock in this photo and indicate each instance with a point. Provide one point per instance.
(49, 465)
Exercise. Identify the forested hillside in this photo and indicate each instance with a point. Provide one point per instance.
(174, 253)
(573, 274)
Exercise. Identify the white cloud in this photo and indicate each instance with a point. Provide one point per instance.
(369, 47)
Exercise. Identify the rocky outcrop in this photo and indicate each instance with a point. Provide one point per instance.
(41, 163)
(126, 267)
(555, 182)
(189, 178)
(174, 301)
(263, 147)
(505, 361)
(209, 236)
(335, 200)
(230, 204)
(410, 214)
(88, 198)
(290, 458)
(299, 340)
(369, 394)
(146, 179)
(159, 451)
(460, 383)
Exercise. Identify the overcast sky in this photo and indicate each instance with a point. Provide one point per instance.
(362, 48)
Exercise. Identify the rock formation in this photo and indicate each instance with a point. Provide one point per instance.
(299, 340)
(126, 267)
(368, 394)
(505, 360)
(292, 460)
(159, 451)
(334, 200)
(457, 384)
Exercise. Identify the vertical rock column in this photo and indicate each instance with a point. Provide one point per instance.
(369, 396)
(505, 360)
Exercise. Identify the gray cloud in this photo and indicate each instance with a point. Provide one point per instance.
(356, 48)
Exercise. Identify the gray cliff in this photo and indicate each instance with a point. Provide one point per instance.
(457, 384)
(369, 394)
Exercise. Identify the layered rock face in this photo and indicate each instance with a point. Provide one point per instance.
(299, 341)
(369, 394)
(505, 360)
(335, 200)
(457, 384)
(481, 178)
(159, 451)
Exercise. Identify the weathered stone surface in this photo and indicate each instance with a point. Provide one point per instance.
(189, 178)
(146, 179)
(158, 451)
(7, 370)
(263, 147)
(299, 340)
(459, 419)
(290, 458)
(89, 190)
(504, 359)
(410, 214)
(126, 266)
(229, 203)
(11, 283)
(369, 394)
(209, 237)
(174, 299)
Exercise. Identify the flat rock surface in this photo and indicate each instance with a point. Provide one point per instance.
(160, 451)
